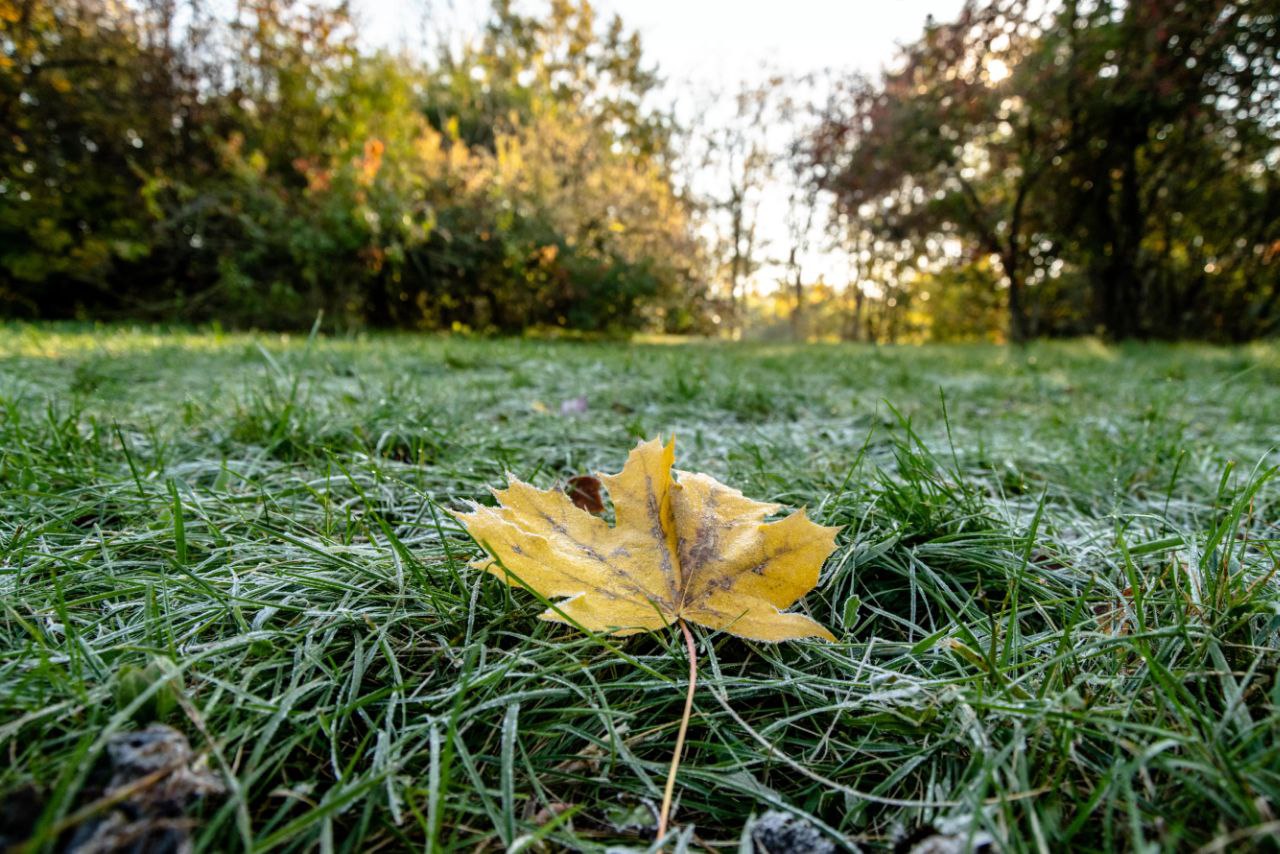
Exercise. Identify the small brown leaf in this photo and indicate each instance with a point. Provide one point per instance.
(584, 491)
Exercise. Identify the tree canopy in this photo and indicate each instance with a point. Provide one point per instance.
(1076, 166)
(182, 161)
(1116, 161)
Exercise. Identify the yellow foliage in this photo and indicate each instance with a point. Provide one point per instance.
(370, 161)
(691, 549)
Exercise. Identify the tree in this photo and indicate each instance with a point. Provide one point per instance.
(739, 158)
(91, 103)
(945, 145)
(192, 160)
(561, 58)
(798, 108)
(1124, 150)
(1169, 112)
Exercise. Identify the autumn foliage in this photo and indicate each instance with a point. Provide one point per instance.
(1104, 166)
(689, 548)
(181, 161)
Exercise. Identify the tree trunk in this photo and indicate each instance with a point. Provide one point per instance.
(1017, 307)
(1117, 275)
(859, 298)
(797, 313)
(735, 272)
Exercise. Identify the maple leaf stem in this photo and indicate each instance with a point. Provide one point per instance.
(684, 729)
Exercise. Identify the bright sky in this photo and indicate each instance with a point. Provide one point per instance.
(712, 42)
(703, 47)
(723, 41)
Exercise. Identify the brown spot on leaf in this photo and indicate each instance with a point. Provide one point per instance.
(584, 491)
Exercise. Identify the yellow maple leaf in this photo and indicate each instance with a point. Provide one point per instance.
(682, 549)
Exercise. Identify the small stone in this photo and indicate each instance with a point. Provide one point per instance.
(778, 832)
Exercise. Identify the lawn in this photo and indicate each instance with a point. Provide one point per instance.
(1055, 593)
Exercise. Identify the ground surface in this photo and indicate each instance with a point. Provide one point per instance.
(1057, 628)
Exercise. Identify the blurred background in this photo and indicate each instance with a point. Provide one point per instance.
(989, 170)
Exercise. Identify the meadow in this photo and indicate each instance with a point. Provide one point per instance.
(1054, 595)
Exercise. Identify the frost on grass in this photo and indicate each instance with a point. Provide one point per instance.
(1065, 630)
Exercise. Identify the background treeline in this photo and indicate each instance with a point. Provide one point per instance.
(1028, 169)
(1105, 165)
(248, 163)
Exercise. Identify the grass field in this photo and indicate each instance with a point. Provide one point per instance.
(1055, 593)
